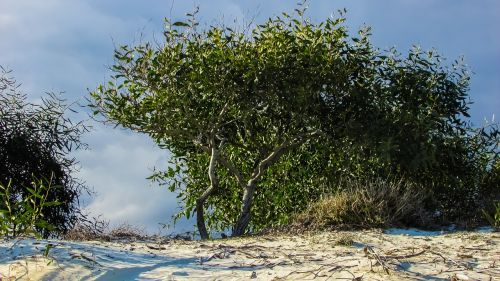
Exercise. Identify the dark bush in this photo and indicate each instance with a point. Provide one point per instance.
(35, 140)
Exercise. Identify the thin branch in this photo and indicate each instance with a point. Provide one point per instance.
(219, 119)
(277, 153)
(230, 166)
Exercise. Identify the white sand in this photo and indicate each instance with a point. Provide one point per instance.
(373, 255)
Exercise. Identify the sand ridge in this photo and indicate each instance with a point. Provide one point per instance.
(337, 255)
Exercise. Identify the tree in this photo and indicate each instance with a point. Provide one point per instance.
(35, 140)
(243, 101)
(245, 113)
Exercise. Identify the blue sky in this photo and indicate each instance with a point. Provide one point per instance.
(67, 46)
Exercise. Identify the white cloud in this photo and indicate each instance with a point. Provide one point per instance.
(117, 167)
(61, 45)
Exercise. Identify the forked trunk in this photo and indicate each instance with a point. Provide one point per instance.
(244, 218)
(249, 188)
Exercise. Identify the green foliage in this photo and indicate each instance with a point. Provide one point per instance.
(35, 140)
(25, 215)
(251, 98)
(316, 102)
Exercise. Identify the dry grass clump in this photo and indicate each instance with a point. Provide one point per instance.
(87, 229)
(98, 229)
(127, 231)
(365, 203)
(345, 239)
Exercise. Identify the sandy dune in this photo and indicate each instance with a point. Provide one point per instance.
(364, 255)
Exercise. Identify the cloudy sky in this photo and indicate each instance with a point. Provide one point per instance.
(67, 46)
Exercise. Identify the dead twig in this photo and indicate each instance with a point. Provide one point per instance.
(475, 249)
(159, 248)
(404, 256)
(316, 271)
(370, 252)
(84, 257)
(445, 259)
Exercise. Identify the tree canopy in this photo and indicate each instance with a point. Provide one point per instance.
(258, 121)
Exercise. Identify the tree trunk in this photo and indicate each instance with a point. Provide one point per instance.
(244, 218)
(214, 183)
(200, 219)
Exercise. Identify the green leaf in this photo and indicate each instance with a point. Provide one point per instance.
(180, 23)
(51, 204)
(47, 249)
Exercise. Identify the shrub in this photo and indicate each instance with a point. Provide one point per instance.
(366, 203)
(268, 117)
(35, 139)
(24, 215)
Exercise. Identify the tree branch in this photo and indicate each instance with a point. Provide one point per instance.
(277, 153)
(230, 166)
(219, 119)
